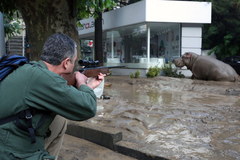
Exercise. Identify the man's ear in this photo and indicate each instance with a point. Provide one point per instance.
(65, 63)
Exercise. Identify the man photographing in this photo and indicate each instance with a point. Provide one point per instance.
(39, 93)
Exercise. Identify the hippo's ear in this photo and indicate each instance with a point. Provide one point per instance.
(187, 55)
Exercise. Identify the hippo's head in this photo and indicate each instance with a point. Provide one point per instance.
(187, 59)
(178, 62)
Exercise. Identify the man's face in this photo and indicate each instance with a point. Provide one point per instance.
(72, 63)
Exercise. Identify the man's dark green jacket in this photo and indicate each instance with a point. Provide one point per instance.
(34, 86)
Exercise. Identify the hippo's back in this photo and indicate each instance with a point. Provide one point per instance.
(213, 69)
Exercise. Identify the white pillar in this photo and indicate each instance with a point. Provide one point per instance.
(191, 38)
(23, 40)
(2, 39)
(112, 45)
(148, 44)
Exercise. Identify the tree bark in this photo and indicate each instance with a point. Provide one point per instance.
(44, 18)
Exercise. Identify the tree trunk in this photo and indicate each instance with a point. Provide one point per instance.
(44, 18)
(98, 39)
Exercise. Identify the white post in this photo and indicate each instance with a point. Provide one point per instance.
(148, 44)
(23, 40)
(2, 39)
(112, 45)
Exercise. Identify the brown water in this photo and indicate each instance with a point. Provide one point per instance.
(175, 118)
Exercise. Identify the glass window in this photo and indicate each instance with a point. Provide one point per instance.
(87, 49)
(129, 44)
(126, 44)
(165, 40)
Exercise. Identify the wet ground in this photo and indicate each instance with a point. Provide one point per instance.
(80, 149)
(174, 118)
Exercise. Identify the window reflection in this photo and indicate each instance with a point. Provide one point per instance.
(129, 44)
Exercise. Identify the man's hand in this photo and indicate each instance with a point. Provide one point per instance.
(81, 79)
(93, 83)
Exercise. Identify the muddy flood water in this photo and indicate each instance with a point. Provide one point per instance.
(174, 118)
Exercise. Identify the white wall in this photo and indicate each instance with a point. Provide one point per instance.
(128, 15)
(191, 39)
(191, 42)
(178, 11)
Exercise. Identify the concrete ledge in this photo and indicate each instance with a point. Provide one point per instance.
(129, 149)
(99, 136)
(109, 138)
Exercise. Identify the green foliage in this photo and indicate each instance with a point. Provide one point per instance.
(168, 71)
(11, 25)
(153, 72)
(10, 17)
(222, 34)
(86, 8)
(8, 7)
(135, 75)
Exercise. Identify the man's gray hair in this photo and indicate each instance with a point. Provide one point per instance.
(57, 48)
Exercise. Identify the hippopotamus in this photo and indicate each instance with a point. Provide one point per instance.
(206, 68)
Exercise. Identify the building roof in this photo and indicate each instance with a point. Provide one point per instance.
(152, 11)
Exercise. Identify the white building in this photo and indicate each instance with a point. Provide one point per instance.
(148, 33)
